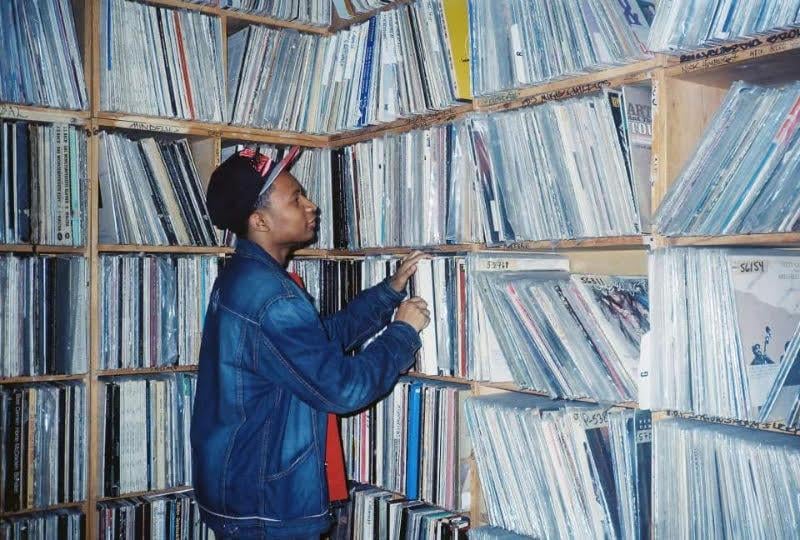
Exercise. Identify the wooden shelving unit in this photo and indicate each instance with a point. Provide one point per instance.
(125, 372)
(42, 379)
(176, 250)
(686, 93)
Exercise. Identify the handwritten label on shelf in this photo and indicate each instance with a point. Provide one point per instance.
(741, 47)
(145, 126)
(12, 111)
(774, 426)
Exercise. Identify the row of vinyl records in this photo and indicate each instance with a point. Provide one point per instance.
(376, 514)
(572, 169)
(152, 311)
(722, 338)
(44, 440)
(144, 433)
(712, 331)
(414, 442)
(500, 178)
(551, 469)
(165, 517)
(408, 60)
(43, 180)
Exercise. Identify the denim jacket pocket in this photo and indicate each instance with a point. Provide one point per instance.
(292, 466)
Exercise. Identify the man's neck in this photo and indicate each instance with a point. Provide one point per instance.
(282, 254)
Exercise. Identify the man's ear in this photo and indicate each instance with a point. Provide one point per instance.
(260, 221)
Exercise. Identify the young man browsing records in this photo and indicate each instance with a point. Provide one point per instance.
(265, 444)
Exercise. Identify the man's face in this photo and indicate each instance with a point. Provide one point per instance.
(292, 217)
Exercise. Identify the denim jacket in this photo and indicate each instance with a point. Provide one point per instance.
(270, 371)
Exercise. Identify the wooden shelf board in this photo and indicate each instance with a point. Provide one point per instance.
(400, 126)
(342, 24)
(514, 387)
(26, 379)
(709, 60)
(198, 128)
(156, 492)
(775, 427)
(444, 378)
(762, 239)
(30, 113)
(73, 505)
(16, 248)
(568, 87)
(605, 243)
(178, 250)
(56, 250)
(240, 16)
(145, 371)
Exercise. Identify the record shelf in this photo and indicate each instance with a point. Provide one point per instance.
(686, 92)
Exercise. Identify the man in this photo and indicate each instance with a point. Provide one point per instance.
(271, 370)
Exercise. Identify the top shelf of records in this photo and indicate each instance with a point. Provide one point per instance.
(189, 85)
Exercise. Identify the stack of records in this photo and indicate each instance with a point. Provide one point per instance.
(682, 25)
(413, 442)
(313, 169)
(553, 469)
(15, 189)
(393, 191)
(744, 174)
(283, 80)
(144, 433)
(44, 440)
(572, 336)
(524, 42)
(43, 315)
(347, 9)
(42, 62)
(62, 524)
(373, 513)
(43, 179)
(488, 532)
(160, 62)
(175, 516)
(715, 481)
(153, 309)
(311, 12)
(722, 329)
(331, 283)
(561, 170)
(151, 193)
(441, 282)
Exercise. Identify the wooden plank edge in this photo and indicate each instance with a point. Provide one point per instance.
(63, 506)
(708, 59)
(787, 239)
(514, 387)
(32, 379)
(240, 16)
(145, 371)
(569, 87)
(150, 493)
(774, 427)
(178, 250)
(31, 113)
(402, 125)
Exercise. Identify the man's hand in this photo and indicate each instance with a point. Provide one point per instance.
(407, 268)
(414, 311)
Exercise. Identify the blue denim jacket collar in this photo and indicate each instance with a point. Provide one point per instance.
(246, 248)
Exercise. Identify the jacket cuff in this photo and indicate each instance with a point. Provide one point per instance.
(407, 343)
(388, 295)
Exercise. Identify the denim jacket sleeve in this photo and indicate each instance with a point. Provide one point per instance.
(314, 368)
(363, 316)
